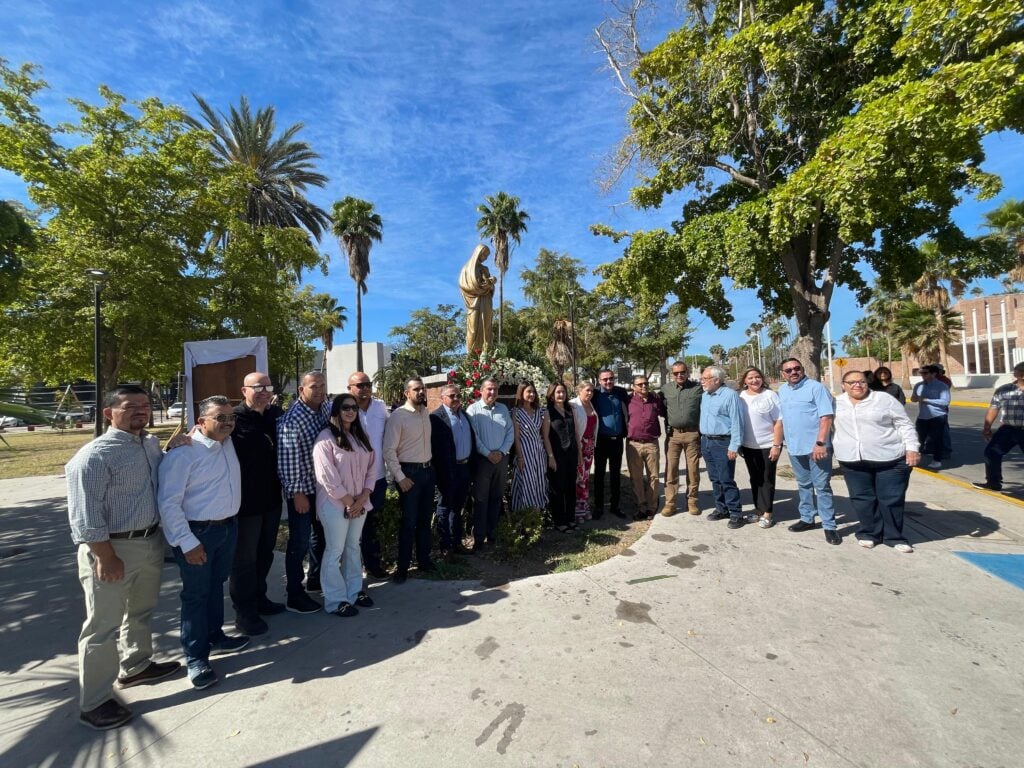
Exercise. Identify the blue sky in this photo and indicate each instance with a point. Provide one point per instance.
(423, 108)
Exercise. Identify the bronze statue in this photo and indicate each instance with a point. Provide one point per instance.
(477, 287)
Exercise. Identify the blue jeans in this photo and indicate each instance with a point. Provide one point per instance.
(417, 509)
(1002, 442)
(202, 589)
(878, 492)
(813, 479)
(722, 473)
(369, 545)
(449, 510)
(305, 536)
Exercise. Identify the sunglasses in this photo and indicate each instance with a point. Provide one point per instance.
(363, 385)
(260, 387)
(794, 369)
(221, 418)
(349, 408)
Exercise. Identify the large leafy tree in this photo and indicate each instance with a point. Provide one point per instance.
(1006, 225)
(16, 237)
(811, 136)
(279, 169)
(431, 339)
(503, 222)
(129, 189)
(357, 226)
(326, 316)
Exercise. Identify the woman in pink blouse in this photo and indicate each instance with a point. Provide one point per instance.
(343, 463)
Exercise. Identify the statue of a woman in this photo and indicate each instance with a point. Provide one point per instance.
(477, 287)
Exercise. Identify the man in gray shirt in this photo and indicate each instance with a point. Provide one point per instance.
(112, 484)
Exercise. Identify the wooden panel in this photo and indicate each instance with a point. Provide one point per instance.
(223, 378)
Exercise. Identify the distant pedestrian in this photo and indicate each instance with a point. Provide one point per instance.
(643, 454)
(682, 425)
(932, 397)
(721, 432)
(586, 432)
(876, 446)
(563, 458)
(1008, 405)
(610, 403)
(806, 411)
(762, 441)
(883, 383)
(112, 483)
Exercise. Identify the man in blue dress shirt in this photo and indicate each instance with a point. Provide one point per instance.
(721, 432)
(807, 412)
(492, 428)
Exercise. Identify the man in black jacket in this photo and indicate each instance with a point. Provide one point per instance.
(255, 439)
(451, 445)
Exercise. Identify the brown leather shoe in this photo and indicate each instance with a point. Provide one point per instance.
(668, 511)
(155, 671)
(109, 714)
(692, 508)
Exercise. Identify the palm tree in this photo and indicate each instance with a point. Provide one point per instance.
(929, 291)
(717, 353)
(559, 351)
(282, 167)
(327, 316)
(357, 226)
(926, 332)
(884, 306)
(501, 221)
(1007, 225)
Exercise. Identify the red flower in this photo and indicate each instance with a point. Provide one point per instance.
(476, 363)
(469, 382)
(476, 376)
(476, 393)
(451, 374)
(487, 367)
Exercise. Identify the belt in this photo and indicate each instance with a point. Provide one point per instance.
(416, 464)
(142, 533)
(225, 521)
(642, 441)
(462, 461)
(717, 437)
(685, 429)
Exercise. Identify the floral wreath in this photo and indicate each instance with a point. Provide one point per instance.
(468, 374)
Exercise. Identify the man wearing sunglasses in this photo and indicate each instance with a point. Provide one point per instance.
(807, 411)
(373, 415)
(255, 442)
(199, 494)
(610, 402)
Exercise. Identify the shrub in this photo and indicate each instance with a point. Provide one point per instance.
(518, 531)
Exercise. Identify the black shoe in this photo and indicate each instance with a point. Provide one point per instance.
(596, 515)
(800, 525)
(313, 585)
(639, 516)
(363, 600)
(617, 512)
(986, 487)
(833, 537)
(157, 670)
(303, 603)
(718, 515)
(229, 644)
(269, 608)
(458, 549)
(479, 546)
(400, 577)
(346, 610)
(736, 522)
(428, 568)
(251, 625)
(109, 714)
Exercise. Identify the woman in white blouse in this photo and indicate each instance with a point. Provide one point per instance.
(345, 477)
(762, 441)
(876, 445)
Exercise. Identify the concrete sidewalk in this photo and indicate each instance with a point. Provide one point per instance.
(700, 646)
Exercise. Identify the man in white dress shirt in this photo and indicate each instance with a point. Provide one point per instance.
(373, 415)
(200, 492)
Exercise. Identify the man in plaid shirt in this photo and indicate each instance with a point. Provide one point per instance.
(1007, 400)
(297, 429)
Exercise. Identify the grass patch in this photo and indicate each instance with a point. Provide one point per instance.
(593, 546)
(46, 451)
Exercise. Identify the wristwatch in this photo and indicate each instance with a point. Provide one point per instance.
(819, 443)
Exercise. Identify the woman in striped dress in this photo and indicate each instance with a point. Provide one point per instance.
(530, 422)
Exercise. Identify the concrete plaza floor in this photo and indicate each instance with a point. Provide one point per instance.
(700, 646)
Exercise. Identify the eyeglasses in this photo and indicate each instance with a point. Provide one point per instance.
(679, 373)
(641, 384)
(794, 369)
(221, 418)
(260, 387)
(857, 383)
(606, 380)
(349, 408)
(363, 385)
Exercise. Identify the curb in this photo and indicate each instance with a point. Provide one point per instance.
(962, 484)
(968, 404)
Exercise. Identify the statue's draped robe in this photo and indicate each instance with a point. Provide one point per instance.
(477, 287)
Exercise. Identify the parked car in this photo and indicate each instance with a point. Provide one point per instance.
(10, 421)
(175, 411)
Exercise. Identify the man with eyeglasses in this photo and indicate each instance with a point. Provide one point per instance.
(112, 508)
(199, 496)
(932, 397)
(682, 423)
(373, 416)
(493, 435)
(255, 442)
(451, 446)
(806, 414)
(610, 402)
(642, 453)
(297, 430)
(721, 433)
(407, 454)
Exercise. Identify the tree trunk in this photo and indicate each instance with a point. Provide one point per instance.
(942, 337)
(501, 301)
(359, 328)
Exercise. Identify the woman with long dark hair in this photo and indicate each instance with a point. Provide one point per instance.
(883, 383)
(345, 477)
(762, 440)
(563, 459)
(530, 421)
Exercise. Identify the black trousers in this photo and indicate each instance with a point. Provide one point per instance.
(762, 477)
(488, 490)
(608, 450)
(254, 554)
(562, 490)
(369, 544)
(417, 511)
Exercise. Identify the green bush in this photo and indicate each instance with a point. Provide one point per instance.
(389, 520)
(518, 531)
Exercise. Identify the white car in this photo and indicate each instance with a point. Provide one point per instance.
(11, 421)
(175, 411)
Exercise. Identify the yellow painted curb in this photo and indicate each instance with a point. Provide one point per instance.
(968, 404)
(969, 487)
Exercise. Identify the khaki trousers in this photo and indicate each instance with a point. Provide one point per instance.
(117, 615)
(641, 457)
(688, 444)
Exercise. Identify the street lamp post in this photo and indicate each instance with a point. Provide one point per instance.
(99, 277)
(571, 294)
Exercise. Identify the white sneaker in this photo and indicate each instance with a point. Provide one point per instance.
(935, 465)
(866, 543)
(904, 548)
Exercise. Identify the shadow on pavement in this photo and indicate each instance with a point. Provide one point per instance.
(336, 752)
(929, 524)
